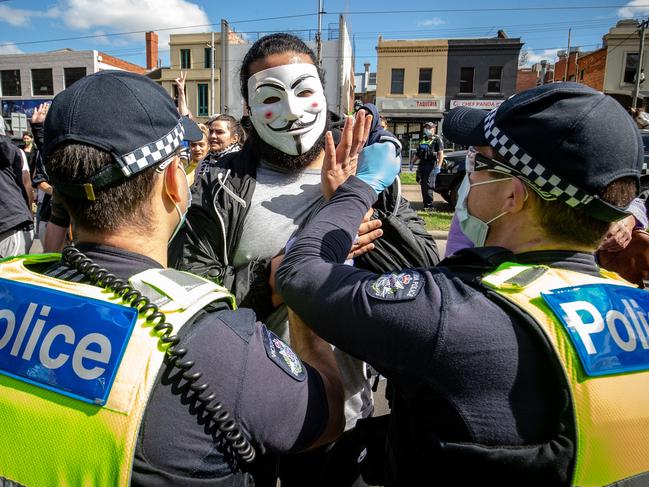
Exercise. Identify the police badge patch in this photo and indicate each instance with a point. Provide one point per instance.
(396, 286)
(280, 353)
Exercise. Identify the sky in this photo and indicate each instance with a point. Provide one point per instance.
(117, 27)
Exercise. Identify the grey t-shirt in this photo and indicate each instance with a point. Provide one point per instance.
(281, 202)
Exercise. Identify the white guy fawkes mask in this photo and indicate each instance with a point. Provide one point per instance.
(288, 107)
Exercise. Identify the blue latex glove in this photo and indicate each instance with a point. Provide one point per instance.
(378, 165)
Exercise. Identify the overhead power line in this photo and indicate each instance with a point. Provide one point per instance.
(368, 12)
(494, 9)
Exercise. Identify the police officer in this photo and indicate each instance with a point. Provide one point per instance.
(519, 362)
(117, 371)
(430, 155)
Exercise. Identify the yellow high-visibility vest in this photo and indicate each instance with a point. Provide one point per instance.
(612, 410)
(50, 439)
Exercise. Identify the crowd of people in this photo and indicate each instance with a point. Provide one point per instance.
(231, 287)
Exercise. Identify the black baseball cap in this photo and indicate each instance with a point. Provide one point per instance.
(124, 113)
(565, 140)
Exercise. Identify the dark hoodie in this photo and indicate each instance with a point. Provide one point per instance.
(378, 133)
(14, 211)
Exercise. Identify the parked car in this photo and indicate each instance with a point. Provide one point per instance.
(450, 175)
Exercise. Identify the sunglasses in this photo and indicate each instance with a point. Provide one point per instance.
(474, 161)
(183, 153)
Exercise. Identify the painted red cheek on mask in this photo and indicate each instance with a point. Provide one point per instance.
(314, 104)
(268, 114)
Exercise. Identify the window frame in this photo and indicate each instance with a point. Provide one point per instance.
(39, 92)
(188, 53)
(472, 92)
(67, 69)
(18, 82)
(429, 81)
(393, 81)
(202, 110)
(498, 80)
(624, 67)
(207, 64)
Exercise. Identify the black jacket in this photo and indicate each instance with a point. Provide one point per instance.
(207, 243)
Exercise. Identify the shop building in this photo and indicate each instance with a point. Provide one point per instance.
(411, 85)
(482, 72)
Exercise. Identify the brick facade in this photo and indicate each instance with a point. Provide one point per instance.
(526, 79)
(121, 64)
(592, 68)
(560, 68)
(151, 39)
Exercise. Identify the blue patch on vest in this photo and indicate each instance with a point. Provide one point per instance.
(396, 286)
(65, 343)
(280, 353)
(607, 324)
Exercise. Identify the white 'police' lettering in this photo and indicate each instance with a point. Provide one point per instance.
(626, 329)
(59, 339)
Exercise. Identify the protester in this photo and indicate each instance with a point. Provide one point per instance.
(186, 391)
(181, 97)
(226, 136)
(30, 150)
(503, 372)
(40, 180)
(249, 204)
(197, 151)
(16, 220)
(625, 247)
(429, 156)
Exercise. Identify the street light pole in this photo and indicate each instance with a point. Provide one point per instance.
(565, 75)
(224, 66)
(638, 74)
(319, 35)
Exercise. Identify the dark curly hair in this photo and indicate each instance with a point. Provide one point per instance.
(269, 45)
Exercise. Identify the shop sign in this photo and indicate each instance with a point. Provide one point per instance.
(415, 104)
(484, 104)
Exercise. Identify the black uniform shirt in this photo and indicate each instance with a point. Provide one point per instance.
(277, 411)
(477, 398)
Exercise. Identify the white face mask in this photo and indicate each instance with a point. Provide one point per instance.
(288, 106)
(474, 228)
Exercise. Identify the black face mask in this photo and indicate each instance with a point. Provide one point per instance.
(288, 162)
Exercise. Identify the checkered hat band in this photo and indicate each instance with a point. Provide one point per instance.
(152, 153)
(547, 184)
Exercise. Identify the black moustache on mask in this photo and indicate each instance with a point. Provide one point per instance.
(266, 152)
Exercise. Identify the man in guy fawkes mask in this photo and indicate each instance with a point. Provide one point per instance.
(246, 209)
